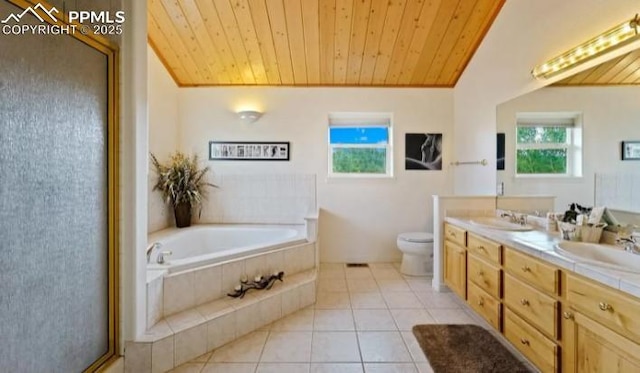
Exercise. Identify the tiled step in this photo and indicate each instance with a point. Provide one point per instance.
(169, 294)
(190, 333)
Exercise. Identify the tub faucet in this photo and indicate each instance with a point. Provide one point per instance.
(162, 257)
(150, 248)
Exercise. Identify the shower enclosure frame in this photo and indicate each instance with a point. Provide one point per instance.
(111, 51)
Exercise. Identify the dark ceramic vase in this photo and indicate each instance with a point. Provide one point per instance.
(182, 213)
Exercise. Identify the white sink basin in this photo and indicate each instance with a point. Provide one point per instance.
(601, 255)
(500, 224)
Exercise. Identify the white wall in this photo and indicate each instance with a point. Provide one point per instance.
(134, 163)
(360, 218)
(163, 133)
(525, 33)
(609, 114)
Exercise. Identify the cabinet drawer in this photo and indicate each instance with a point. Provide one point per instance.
(542, 351)
(483, 274)
(605, 305)
(484, 248)
(531, 270)
(455, 234)
(484, 304)
(539, 309)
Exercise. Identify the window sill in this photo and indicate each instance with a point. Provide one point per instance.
(558, 178)
(345, 179)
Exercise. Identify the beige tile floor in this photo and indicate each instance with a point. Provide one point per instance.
(361, 322)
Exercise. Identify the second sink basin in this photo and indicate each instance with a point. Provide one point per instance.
(496, 223)
(601, 255)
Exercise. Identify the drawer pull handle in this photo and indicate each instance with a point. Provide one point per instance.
(524, 341)
(524, 302)
(526, 269)
(567, 315)
(452, 234)
(605, 306)
(481, 302)
(481, 248)
(480, 273)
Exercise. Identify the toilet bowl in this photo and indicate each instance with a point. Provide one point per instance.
(417, 253)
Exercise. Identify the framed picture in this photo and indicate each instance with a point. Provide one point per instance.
(249, 151)
(631, 150)
(423, 151)
(500, 140)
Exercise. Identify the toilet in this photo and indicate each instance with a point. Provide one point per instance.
(417, 253)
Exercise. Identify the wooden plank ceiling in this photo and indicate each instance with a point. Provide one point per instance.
(623, 70)
(421, 43)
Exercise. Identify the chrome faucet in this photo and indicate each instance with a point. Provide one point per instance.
(150, 248)
(162, 256)
(629, 244)
(508, 214)
(514, 218)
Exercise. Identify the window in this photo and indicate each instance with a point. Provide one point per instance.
(549, 144)
(360, 145)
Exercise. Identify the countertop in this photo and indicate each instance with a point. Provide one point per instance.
(541, 244)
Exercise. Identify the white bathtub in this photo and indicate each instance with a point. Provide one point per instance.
(207, 244)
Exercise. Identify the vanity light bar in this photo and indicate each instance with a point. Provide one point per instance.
(603, 43)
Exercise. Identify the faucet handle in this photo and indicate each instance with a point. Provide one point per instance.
(522, 219)
(162, 257)
(151, 248)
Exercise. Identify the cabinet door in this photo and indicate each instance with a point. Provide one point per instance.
(455, 268)
(589, 347)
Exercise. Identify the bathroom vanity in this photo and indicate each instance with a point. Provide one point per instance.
(562, 314)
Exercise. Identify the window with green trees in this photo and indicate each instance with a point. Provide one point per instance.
(547, 149)
(359, 150)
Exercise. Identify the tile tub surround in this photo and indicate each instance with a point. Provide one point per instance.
(188, 334)
(541, 244)
(181, 291)
(247, 199)
(260, 199)
(322, 347)
(178, 292)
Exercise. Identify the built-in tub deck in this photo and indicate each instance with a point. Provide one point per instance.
(189, 313)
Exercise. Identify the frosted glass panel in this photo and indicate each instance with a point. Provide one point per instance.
(53, 203)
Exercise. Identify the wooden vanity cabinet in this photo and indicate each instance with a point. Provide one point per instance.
(600, 328)
(559, 320)
(484, 248)
(455, 268)
(455, 259)
(590, 347)
(485, 275)
(455, 235)
(485, 305)
(538, 348)
(538, 309)
(532, 271)
(531, 308)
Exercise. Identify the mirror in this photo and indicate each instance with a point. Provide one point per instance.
(597, 119)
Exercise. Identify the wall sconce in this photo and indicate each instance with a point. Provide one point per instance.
(609, 40)
(249, 116)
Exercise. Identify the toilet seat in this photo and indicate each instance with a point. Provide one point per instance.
(416, 237)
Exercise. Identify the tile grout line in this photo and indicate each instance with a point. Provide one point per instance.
(349, 298)
(356, 332)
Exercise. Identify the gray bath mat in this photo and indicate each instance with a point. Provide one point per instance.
(465, 349)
